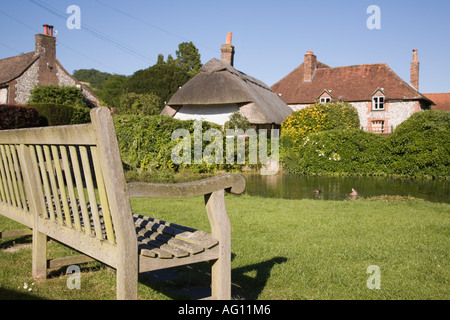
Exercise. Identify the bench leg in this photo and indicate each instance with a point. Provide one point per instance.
(127, 283)
(39, 254)
(221, 230)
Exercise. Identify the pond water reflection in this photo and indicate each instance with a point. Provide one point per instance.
(339, 188)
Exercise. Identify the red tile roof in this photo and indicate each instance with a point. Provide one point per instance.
(350, 83)
(441, 100)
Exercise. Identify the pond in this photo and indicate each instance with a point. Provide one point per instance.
(339, 188)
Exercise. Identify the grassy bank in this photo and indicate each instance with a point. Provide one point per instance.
(282, 249)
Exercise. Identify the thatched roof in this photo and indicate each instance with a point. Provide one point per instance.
(11, 68)
(220, 83)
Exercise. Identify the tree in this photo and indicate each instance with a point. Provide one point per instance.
(94, 77)
(112, 89)
(139, 103)
(161, 79)
(237, 121)
(188, 58)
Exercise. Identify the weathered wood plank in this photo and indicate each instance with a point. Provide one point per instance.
(15, 233)
(12, 199)
(198, 238)
(81, 134)
(67, 261)
(19, 177)
(91, 192)
(62, 189)
(72, 198)
(106, 213)
(56, 204)
(44, 177)
(80, 190)
(233, 183)
(191, 248)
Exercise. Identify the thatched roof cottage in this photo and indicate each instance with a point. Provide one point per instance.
(219, 90)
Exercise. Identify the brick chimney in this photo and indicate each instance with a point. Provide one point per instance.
(415, 71)
(309, 66)
(46, 43)
(46, 49)
(228, 50)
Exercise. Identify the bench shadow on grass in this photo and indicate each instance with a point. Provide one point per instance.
(193, 282)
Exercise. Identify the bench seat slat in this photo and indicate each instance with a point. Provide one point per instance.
(167, 243)
(200, 238)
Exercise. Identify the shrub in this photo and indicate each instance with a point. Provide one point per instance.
(420, 146)
(237, 121)
(319, 117)
(68, 96)
(57, 115)
(139, 103)
(16, 117)
(146, 142)
(351, 151)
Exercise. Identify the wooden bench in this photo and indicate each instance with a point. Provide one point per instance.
(67, 183)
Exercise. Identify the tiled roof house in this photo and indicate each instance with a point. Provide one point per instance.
(441, 100)
(20, 74)
(383, 100)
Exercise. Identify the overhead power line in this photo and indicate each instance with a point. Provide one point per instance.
(150, 25)
(98, 34)
(59, 42)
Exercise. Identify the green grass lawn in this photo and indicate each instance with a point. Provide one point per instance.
(282, 249)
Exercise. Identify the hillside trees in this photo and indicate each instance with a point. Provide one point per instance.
(156, 83)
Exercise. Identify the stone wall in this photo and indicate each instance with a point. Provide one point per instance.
(394, 113)
(25, 83)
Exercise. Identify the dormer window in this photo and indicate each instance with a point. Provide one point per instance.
(378, 100)
(325, 96)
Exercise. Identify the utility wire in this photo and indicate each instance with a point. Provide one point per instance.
(99, 35)
(59, 42)
(149, 24)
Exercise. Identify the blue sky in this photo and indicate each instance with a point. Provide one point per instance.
(270, 37)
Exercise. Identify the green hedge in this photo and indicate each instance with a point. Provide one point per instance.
(319, 117)
(145, 142)
(16, 117)
(57, 114)
(350, 151)
(419, 147)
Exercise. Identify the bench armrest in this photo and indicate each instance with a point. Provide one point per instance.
(232, 183)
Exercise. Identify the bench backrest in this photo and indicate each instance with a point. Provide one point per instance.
(68, 182)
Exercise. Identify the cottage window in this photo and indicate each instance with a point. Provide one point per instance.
(378, 126)
(378, 103)
(324, 99)
(3, 95)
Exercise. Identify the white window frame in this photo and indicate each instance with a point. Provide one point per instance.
(378, 103)
(324, 99)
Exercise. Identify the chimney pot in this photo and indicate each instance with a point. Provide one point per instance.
(228, 51)
(229, 36)
(45, 29)
(50, 28)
